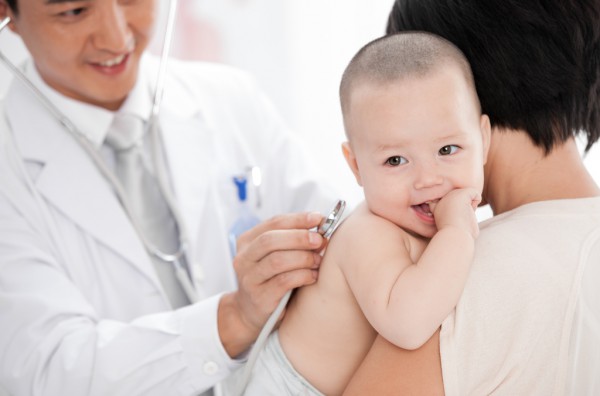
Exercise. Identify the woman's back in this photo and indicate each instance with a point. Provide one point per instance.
(514, 328)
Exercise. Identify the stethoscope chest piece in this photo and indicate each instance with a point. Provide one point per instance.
(329, 223)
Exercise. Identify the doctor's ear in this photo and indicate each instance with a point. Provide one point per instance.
(351, 161)
(6, 11)
(4, 8)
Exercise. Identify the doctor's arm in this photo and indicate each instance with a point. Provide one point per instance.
(55, 340)
(274, 257)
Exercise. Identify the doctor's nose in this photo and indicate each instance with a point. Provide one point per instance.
(112, 29)
(427, 175)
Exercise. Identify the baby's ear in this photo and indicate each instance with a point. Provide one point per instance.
(351, 161)
(486, 135)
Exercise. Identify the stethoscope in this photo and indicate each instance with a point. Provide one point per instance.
(326, 228)
(175, 258)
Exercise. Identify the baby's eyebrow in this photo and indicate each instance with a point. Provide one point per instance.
(451, 135)
(387, 146)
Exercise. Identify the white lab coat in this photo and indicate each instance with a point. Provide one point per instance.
(81, 309)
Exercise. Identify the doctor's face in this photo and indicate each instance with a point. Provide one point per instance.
(413, 141)
(88, 50)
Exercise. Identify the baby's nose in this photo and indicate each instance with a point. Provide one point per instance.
(427, 176)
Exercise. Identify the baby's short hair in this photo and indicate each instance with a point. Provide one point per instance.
(406, 54)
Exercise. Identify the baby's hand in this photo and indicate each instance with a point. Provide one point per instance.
(457, 209)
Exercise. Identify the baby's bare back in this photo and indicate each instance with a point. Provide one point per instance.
(325, 334)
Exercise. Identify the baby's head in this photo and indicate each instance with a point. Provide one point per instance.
(414, 126)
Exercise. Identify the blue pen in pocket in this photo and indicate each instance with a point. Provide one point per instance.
(246, 219)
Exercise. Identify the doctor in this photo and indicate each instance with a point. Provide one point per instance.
(84, 309)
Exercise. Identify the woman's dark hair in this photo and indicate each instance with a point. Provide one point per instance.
(536, 63)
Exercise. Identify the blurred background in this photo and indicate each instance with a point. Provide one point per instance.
(297, 50)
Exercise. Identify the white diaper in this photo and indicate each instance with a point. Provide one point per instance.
(273, 375)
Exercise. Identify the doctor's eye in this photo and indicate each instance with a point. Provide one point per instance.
(396, 160)
(449, 149)
(73, 12)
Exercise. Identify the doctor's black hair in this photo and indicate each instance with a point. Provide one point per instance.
(13, 5)
(536, 63)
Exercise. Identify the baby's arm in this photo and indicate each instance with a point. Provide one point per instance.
(407, 302)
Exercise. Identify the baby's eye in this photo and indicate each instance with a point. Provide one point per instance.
(449, 149)
(396, 160)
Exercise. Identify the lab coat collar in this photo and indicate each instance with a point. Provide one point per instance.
(139, 100)
(79, 113)
(137, 103)
(178, 100)
(69, 180)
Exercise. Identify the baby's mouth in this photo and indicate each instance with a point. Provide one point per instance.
(426, 207)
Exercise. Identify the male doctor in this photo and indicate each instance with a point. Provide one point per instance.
(84, 308)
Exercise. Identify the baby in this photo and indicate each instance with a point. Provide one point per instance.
(417, 143)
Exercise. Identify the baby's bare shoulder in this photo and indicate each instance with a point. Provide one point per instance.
(363, 229)
(362, 220)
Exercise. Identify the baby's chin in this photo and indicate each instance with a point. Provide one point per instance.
(421, 233)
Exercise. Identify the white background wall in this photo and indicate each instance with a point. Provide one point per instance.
(296, 49)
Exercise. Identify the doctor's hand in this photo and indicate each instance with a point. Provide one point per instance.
(273, 257)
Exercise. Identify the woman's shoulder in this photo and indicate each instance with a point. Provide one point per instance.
(546, 215)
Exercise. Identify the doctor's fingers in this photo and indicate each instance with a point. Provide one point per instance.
(277, 241)
(279, 266)
(272, 277)
(291, 221)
